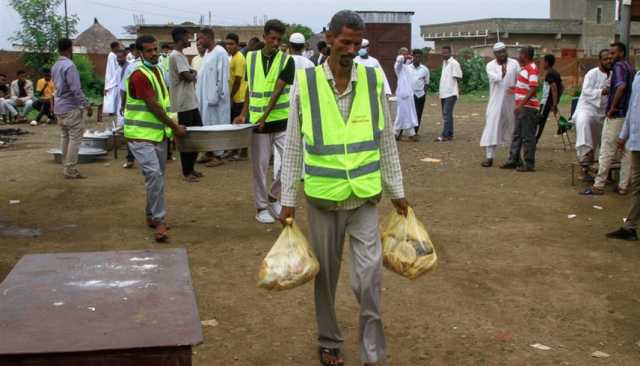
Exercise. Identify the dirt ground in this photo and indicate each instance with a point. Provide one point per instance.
(513, 270)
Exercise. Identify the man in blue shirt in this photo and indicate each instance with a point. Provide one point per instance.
(629, 139)
(617, 105)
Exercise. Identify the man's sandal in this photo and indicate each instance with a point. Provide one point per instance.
(330, 357)
(592, 192)
(621, 191)
(161, 234)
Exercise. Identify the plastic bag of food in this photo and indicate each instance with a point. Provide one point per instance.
(406, 246)
(290, 262)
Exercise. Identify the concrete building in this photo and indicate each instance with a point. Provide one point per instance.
(575, 28)
(387, 32)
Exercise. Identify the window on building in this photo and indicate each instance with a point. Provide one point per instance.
(599, 15)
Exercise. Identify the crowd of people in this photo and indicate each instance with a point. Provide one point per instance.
(19, 97)
(327, 117)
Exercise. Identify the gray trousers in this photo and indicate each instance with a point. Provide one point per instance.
(72, 128)
(524, 137)
(328, 230)
(447, 115)
(634, 213)
(262, 145)
(153, 160)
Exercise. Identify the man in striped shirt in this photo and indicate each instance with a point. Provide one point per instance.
(524, 133)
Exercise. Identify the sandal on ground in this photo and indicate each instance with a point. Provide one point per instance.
(330, 357)
(74, 176)
(152, 224)
(214, 163)
(191, 178)
(621, 191)
(593, 191)
(162, 233)
(197, 174)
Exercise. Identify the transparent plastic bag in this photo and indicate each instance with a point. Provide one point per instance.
(406, 246)
(290, 262)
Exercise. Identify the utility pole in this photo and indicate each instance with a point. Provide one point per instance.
(625, 21)
(66, 19)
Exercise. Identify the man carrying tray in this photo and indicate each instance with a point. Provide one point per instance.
(147, 128)
(340, 111)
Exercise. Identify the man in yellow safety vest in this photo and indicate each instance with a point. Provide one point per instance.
(269, 76)
(339, 110)
(147, 128)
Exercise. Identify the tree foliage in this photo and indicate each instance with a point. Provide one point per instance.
(41, 28)
(92, 85)
(474, 74)
(298, 28)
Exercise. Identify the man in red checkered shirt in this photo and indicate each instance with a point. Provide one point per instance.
(524, 133)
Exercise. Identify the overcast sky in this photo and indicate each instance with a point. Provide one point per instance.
(115, 14)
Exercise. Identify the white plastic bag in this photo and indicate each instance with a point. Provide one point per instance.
(290, 262)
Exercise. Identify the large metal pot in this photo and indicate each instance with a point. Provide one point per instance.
(215, 138)
(101, 143)
(86, 154)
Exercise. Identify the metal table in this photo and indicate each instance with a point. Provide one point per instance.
(95, 309)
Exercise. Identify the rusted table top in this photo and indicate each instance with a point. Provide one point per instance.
(76, 302)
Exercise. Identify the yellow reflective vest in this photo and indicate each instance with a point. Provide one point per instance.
(261, 87)
(342, 158)
(139, 122)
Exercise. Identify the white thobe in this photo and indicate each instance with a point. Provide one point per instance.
(121, 74)
(500, 117)
(406, 116)
(111, 82)
(373, 62)
(590, 111)
(212, 88)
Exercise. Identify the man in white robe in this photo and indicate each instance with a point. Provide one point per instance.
(500, 117)
(121, 58)
(591, 112)
(406, 116)
(365, 59)
(213, 82)
(111, 82)
(212, 89)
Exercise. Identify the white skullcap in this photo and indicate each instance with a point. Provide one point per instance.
(499, 47)
(297, 38)
(365, 42)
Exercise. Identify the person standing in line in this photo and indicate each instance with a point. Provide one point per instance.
(121, 58)
(449, 92)
(196, 61)
(131, 66)
(131, 53)
(147, 127)
(420, 79)
(590, 113)
(526, 123)
(498, 129)
(111, 79)
(238, 86)
(22, 95)
(323, 53)
(629, 140)
(364, 58)
(183, 97)
(406, 117)
(617, 106)
(270, 72)
(69, 103)
(44, 93)
(552, 91)
(251, 46)
(344, 185)
(308, 52)
(212, 89)
(296, 50)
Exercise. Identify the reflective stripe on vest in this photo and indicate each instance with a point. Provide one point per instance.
(139, 121)
(341, 158)
(261, 87)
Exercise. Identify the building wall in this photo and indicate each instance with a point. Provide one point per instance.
(567, 9)
(385, 40)
(163, 34)
(547, 43)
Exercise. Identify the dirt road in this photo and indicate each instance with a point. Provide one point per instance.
(513, 271)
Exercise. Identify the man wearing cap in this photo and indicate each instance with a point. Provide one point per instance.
(502, 73)
(365, 59)
(296, 50)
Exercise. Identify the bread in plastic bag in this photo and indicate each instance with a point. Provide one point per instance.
(290, 262)
(406, 246)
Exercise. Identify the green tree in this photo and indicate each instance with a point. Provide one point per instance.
(298, 28)
(42, 27)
